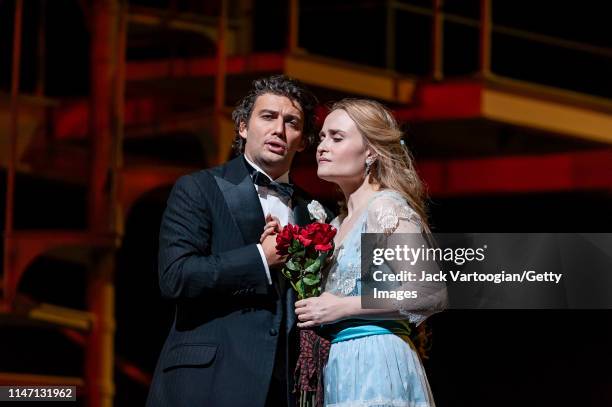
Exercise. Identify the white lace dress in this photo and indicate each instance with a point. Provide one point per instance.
(370, 366)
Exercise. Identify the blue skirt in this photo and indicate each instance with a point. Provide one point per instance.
(376, 371)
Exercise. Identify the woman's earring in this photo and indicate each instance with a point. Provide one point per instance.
(368, 164)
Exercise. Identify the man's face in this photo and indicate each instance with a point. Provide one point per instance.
(274, 133)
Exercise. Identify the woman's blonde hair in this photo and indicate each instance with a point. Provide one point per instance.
(394, 166)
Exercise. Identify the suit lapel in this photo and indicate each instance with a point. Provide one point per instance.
(241, 197)
(242, 200)
(300, 211)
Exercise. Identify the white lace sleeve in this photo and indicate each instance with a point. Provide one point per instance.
(390, 212)
(391, 215)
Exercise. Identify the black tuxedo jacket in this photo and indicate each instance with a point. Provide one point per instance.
(221, 348)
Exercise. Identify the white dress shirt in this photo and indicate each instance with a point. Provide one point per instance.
(274, 204)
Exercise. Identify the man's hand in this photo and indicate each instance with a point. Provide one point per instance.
(269, 247)
(272, 227)
(268, 241)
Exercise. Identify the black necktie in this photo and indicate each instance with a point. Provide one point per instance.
(282, 188)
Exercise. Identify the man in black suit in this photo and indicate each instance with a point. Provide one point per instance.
(228, 345)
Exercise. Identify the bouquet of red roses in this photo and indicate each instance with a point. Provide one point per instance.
(307, 248)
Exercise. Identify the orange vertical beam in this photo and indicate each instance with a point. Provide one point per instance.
(485, 37)
(103, 70)
(105, 122)
(117, 211)
(99, 352)
(9, 272)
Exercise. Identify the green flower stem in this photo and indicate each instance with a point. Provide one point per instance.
(300, 296)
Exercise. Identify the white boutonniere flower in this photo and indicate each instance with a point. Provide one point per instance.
(316, 211)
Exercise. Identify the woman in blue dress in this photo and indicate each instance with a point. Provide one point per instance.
(372, 361)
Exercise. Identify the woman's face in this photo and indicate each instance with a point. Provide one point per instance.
(342, 150)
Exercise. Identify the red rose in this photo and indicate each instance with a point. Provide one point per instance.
(284, 239)
(306, 235)
(323, 236)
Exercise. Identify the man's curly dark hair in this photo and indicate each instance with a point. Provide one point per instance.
(280, 85)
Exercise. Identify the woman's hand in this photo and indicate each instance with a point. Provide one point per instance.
(324, 309)
(272, 227)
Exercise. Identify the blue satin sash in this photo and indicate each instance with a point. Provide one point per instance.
(358, 329)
